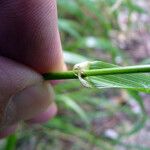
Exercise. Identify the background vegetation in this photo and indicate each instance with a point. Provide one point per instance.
(115, 31)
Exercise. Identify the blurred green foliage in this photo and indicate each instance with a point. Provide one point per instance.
(88, 119)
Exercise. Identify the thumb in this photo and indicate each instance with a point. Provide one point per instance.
(29, 34)
(23, 93)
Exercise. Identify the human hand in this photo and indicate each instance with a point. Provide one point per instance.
(29, 46)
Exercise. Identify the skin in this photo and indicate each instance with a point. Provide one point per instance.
(29, 46)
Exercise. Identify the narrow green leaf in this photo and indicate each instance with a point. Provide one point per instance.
(75, 107)
(11, 142)
(69, 26)
(136, 81)
(73, 58)
(142, 120)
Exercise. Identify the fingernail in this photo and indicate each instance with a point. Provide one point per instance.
(8, 131)
(55, 82)
(44, 116)
(28, 103)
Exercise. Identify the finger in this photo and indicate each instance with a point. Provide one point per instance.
(23, 94)
(44, 116)
(29, 34)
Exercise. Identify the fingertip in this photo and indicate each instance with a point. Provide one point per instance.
(55, 82)
(33, 100)
(44, 116)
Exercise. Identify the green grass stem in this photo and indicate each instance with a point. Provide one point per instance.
(98, 72)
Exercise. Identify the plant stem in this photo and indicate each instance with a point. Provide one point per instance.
(98, 72)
